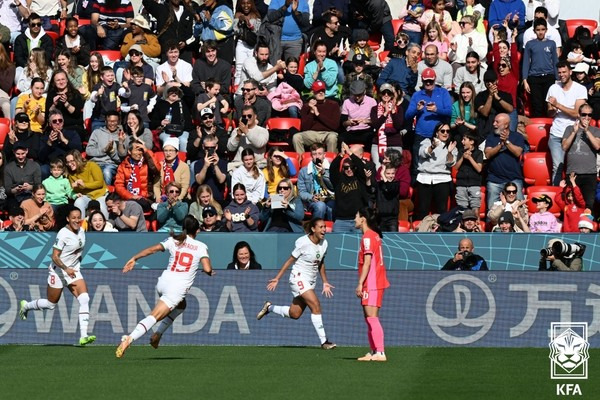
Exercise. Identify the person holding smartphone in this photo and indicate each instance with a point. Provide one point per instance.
(248, 135)
(211, 169)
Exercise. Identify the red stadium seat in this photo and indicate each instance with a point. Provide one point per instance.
(383, 55)
(304, 57)
(374, 41)
(483, 206)
(283, 123)
(572, 25)
(227, 122)
(535, 191)
(329, 226)
(53, 35)
(537, 168)
(415, 225)
(404, 226)
(537, 136)
(397, 25)
(593, 122)
(4, 129)
(112, 55)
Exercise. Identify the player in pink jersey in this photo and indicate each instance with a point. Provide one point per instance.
(187, 254)
(372, 280)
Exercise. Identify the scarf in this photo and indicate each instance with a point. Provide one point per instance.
(134, 183)
(169, 173)
(387, 125)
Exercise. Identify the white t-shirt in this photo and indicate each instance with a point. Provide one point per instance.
(567, 99)
(184, 259)
(184, 72)
(308, 256)
(71, 246)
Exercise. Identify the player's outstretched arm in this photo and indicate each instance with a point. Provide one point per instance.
(326, 285)
(272, 285)
(144, 253)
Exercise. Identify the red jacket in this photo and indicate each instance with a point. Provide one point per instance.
(571, 211)
(147, 177)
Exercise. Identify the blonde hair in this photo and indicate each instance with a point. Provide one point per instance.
(207, 189)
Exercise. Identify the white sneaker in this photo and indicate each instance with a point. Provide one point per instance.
(264, 310)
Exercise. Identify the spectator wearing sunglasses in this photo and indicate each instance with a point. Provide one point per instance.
(248, 135)
(207, 127)
(283, 214)
(171, 212)
(250, 97)
(211, 221)
(56, 141)
(141, 34)
(34, 36)
(20, 133)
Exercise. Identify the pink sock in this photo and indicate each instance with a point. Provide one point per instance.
(376, 332)
(370, 335)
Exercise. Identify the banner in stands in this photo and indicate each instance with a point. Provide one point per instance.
(402, 251)
(421, 308)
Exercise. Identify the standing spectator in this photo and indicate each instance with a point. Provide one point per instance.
(464, 114)
(511, 10)
(216, 23)
(293, 16)
(508, 70)
(388, 199)
(490, 103)
(250, 176)
(39, 214)
(320, 121)
(175, 23)
(468, 175)
(571, 203)
(111, 19)
(356, 116)
(136, 176)
(172, 169)
(565, 98)
(246, 23)
(437, 156)
(241, 214)
(467, 42)
(108, 146)
(551, 34)
(207, 127)
(249, 97)
(539, 68)
(392, 158)
(322, 69)
(20, 176)
(171, 212)
(543, 220)
(314, 185)
(87, 181)
(34, 36)
(126, 215)
(443, 70)
(211, 66)
(210, 169)
(387, 119)
(375, 16)
(581, 143)
(248, 135)
(503, 150)
(174, 71)
(65, 98)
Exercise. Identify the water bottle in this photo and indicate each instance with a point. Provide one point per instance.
(169, 115)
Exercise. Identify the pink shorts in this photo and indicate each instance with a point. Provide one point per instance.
(372, 298)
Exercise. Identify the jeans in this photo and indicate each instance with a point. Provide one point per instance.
(293, 111)
(493, 191)
(321, 209)
(558, 158)
(108, 171)
(514, 120)
(344, 226)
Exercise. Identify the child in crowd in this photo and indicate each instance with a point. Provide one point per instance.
(571, 203)
(468, 175)
(361, 46)
(543, 220)
(291, 76)
(388, 199)
(17, 220)
(412, 26)
(434, 36)
(58, 188)
(105, 96)
(358, 73)
(213, 100)
(576, 55)
(138, 94)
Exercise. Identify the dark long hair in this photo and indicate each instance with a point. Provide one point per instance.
(372, 218)
(190, 227)
(473, 54)
(241, 245)
(308, 225)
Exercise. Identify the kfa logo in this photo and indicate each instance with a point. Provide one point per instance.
(460, 309)
(569, 350)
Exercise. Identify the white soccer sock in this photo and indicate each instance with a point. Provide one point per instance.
(84, 313)
(168, 320)
(284, 311)
(317, 322)
(142, 327)
(40, 304)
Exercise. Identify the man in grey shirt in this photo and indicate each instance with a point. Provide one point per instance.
(125, 215)
(443, 70)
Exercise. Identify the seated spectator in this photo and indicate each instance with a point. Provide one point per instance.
(172, 169)
(205, 199)
(469, 222)
(249, 97)
(322, 69)
(283, 214)
(356, 116)
(211, 221)
(314, 186)
(213, 100)
(171, 212)
(139, 97)
(39, 214)
(173, 72)
(210, 169)
(259, 69)
(142, 36)
(434, 37)
(473, 71)
(20, 133)
(34, 105)
(506, 223)
(94, 69)
(2, 188)
(87, 181)
(279, 166)
(126, 215)
(37, 67)
(172, 117)
(98, 223)
(74, 42)
(34, 36)
(438, 13)
(358, 73)
(249, 175)
(210, 66)
(361, 46)
(285, 100)
(105, 96)
(217, 24)
(108, 145)
(136, 176)
(469, 41)
(56, 141)
(241, 214)
(463, 119)
(320, 121)
(586, 224)
(195, 150)
(387, 119)
(58, 188)
(411, 14)
(468, 174)
(543, 220)
(248, 135)
(349, 180)
(65, 98)
(20, 176)
(246, 23)
(388, 198)
(17, 220)
(124, 70)
(571, 203)
(509, 202)
(135, 129)
(402, 69)
(291, 76)
(243, 257)
(111, 20)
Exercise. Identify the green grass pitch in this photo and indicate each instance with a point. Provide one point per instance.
(231, 372)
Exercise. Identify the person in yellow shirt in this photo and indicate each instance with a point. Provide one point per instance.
(34, 105)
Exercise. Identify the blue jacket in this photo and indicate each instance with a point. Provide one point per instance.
(396, 71)
(292, 216)
(499, 9)
(426, 121)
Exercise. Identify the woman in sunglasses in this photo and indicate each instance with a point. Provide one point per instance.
(509, 202)
(506, 64)
(136, 59)
(283, 213)
(171, 212)
(437, 156)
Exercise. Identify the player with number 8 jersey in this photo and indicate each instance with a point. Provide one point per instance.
(186, 254)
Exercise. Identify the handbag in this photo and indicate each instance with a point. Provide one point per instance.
(174, 129)
(246, 35)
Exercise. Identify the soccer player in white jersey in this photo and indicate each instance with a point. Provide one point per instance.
(64, 270)
(308, 258)
(187, 254)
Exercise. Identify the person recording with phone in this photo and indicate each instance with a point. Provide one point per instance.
(211, 169)
(465, 259)
(562, 256)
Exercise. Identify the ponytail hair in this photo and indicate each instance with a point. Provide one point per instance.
(308, 225)
(190, 227)
(372, 218)
(249, 152)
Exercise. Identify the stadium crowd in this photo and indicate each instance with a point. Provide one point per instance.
(469, 116)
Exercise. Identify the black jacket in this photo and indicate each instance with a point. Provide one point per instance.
(83, 56)
(351, 193)
(473, 263)
(177, 31)
(21, 48)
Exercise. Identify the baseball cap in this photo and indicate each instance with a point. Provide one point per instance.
(20, 145)
(21, 117)
(359, 59)
(469, 214)
(318, 86)
(428, 74)
(206, 110)
(208, 210)
(358, 87)
(506, 217)
(386, 86)
(545, 198)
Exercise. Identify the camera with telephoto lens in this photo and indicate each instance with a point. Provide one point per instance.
(562, 249)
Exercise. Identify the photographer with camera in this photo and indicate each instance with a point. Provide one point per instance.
(464, 259)
(562, 256)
